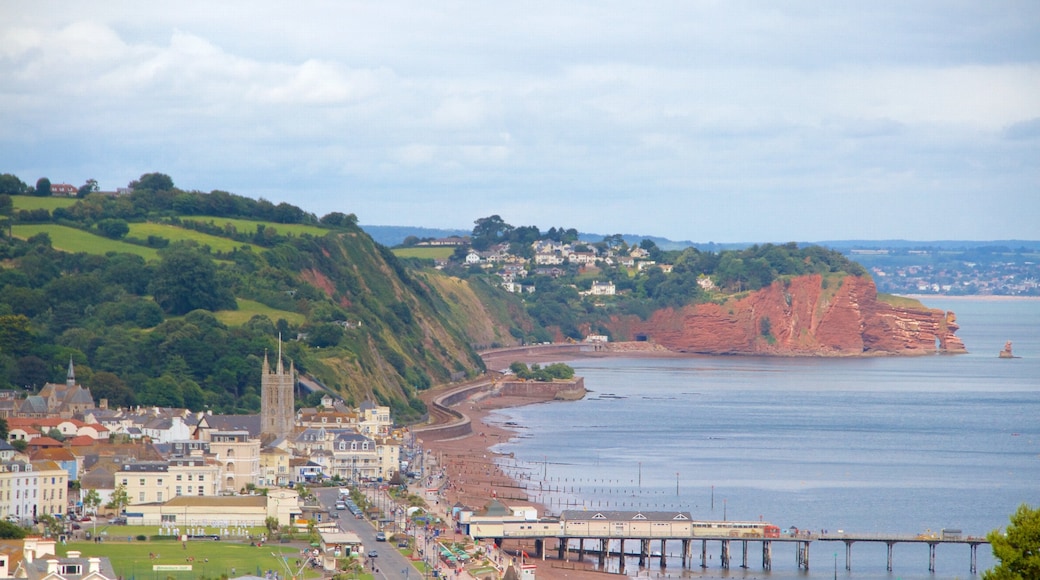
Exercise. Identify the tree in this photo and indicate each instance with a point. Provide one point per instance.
(113, 228)
(1018, 548)
(153, 182)
(119, 500)
(43, 187)
(9, 531)
(52, 525)
(11, 185)
(92, 500)
(488, 231)
(186, 280)
(91, 186)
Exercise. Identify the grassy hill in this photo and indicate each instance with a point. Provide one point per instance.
(48, 203)
(424, 253)
(75, 240)
(143, 231)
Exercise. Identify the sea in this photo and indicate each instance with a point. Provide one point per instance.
(880, 445)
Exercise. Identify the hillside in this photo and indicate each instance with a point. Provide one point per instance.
(166, 308)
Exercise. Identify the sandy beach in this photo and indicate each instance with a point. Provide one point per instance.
(472, 477)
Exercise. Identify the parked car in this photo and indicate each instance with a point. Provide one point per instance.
(380, 536)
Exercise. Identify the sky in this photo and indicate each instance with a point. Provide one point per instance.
(724, 121)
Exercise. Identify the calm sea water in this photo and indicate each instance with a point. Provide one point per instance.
(878, 445)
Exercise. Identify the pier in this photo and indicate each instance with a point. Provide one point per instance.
(608, 534)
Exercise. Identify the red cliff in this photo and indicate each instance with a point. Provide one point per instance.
(804, 316)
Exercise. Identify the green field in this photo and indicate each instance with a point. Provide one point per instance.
(249, 308)
(901, 301)
(135, 559)
(439, 253)
(178, 234)
(69, 239)
(249, 226)
(47, 203)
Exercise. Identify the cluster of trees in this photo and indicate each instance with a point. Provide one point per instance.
(1017, 548)
(154, 195)
(493, 230)
(543, 374)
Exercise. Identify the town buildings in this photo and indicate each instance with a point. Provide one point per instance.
(201, 464)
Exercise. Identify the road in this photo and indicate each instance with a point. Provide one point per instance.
(391, 564)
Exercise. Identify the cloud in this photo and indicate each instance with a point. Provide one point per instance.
(672, 118)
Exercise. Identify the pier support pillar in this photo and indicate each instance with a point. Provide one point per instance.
(686, 547)
(704, 553)
(539, 548)
(974, 560)
(604, 547)
(725, 554)
(767, 555)
(931, 556)
(743, 559)
(621, 557)
(644, 552)
(802, 554)
(664, 558)
(848, 555)
(562, 549)
(890, 544)
(581, 550)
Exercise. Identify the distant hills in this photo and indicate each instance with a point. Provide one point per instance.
(395, 235)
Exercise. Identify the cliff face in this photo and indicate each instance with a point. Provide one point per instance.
(802, 317)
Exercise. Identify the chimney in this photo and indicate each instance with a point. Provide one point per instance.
(94, 565)
(52, 566)
(74, 554)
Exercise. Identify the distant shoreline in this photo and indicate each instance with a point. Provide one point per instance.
(970, 297)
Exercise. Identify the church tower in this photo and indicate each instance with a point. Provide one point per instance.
(276, 397)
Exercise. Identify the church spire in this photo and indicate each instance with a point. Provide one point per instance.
(70, 377)
(281, 369)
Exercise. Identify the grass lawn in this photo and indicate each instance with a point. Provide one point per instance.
(249, 226)
(176, 234)
(249, 308)
(47, 203)
(69, 239)
(132, 559)
(900, 301)
(440, 253)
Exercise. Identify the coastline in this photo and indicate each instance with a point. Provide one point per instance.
(473, 479)
(970, 297)
(471, 475)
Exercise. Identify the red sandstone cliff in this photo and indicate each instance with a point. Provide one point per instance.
(800, 317)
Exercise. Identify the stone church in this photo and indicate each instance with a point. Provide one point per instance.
(276, 398)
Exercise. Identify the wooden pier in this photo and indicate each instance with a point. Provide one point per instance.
(635, 534)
